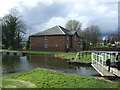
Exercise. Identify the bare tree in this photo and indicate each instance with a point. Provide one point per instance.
(92, 34)
(73, 25)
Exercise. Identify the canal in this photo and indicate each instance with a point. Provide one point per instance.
(15, 64)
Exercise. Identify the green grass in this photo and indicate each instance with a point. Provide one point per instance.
(69, 55)
(32, 52)
(48, 79)
(85, 58)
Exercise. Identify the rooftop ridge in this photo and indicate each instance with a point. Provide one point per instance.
(61, 29)
(56, 30)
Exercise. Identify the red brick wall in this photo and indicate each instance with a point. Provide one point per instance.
(68, 44)
(36, 43)
(75, 46)
(55, 43)
(79, 45)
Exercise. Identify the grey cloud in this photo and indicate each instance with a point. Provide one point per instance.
(42, 13)
(107, 20)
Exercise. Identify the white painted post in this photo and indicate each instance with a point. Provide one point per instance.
(105, 56)
(99, 58)
(102, 59)
(111, 56)
(92, 57)
(96, 58)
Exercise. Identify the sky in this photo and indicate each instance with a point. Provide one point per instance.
(40, 15)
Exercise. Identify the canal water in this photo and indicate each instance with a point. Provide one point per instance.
(16, 64)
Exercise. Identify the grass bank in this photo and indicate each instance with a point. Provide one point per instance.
(48, 79)
(31, 52)
(83, 58)
(61, 55)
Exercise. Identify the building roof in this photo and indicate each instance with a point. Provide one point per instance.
(56, 30)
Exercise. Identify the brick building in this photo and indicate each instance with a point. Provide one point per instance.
(56, 39)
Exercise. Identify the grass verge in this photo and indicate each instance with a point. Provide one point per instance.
(84, 58)
(48, 79)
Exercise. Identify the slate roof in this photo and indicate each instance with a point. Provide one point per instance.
(56, 30)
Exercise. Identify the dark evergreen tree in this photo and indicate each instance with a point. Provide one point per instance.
(13, 30)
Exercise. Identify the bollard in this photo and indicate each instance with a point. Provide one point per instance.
(15, 53)
(79, 55)
(86, 54)
(23, 54)
(82, 54)
(7, 53)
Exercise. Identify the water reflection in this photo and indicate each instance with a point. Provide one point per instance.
(24, 64)
(13, 64)
(49, 62)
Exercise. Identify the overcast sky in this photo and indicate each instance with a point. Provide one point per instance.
(40, 15)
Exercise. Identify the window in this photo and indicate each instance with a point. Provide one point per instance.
(67, 37)
(46, 46)
(46, 38)
(67, 46)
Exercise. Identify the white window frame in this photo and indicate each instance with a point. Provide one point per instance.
(67, 46)
(46, 37)
(67, 37)
(46, 46)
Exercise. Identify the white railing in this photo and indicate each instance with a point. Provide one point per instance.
(99, 60)
(101, 57)
(76, 56)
